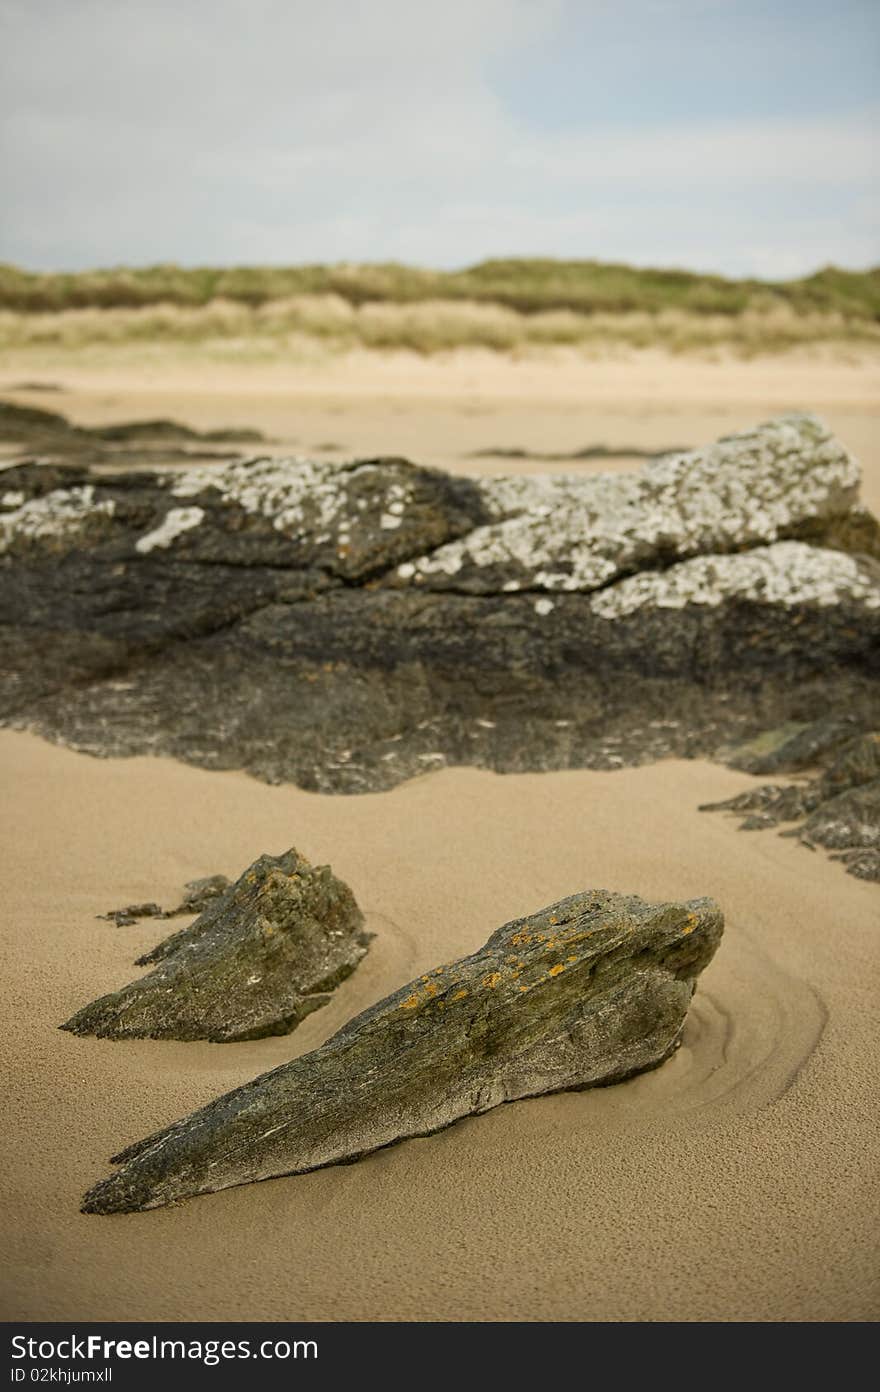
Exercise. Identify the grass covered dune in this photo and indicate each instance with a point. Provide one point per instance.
(500, 304)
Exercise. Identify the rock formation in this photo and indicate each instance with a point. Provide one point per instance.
(199, 894)
(584, 993)
(839, 810)
(259, 958)
(346, 626)
(53, 439)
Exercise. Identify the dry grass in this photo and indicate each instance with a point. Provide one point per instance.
(328, 322)
(514, 306)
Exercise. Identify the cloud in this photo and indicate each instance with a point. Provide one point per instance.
(280, 130)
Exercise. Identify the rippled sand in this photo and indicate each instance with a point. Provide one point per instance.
(736, 1182)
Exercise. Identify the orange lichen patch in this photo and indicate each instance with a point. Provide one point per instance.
(459, 995)
(572, 958)
(554, 971)
(553, 918)
(519, 938)
(420, 997)
(690, 923)
(491, 980)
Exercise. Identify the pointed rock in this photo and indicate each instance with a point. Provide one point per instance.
(586, 992)
(261, 957)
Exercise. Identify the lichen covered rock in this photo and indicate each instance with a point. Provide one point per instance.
(259, 958)
(584, 993)
(575, 532)
(348, 626)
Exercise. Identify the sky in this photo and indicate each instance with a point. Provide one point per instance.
(724, 135)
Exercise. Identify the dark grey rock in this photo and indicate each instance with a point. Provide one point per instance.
(132, 913)
(770, 804)
(857, 763)
(792, 747)
(584, 993)
(849, 821)
(863, 863)
(839, 810)
(43, 432)
(260, 957)
(199, 894)
(346, 626)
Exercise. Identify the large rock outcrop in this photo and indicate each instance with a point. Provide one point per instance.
(346, 626)
(586, 992)
(260, 957)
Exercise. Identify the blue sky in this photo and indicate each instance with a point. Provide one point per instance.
(724, 135)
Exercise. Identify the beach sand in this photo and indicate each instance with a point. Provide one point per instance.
(441, 410)
(737, 1182)
(733, 1183)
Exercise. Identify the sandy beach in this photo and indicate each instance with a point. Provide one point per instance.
(445, 410)
(734, 1183)
(729, 1184)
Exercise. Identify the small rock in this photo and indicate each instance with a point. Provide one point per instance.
(132, 913)
(259, 958)
(199, 894)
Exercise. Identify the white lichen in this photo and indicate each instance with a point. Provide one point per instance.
(63, 513)
(175, 522)
(786, 573)
(305, 499)
(570, 532)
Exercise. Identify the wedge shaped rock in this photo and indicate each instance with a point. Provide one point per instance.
(586, 992)
(261, 957)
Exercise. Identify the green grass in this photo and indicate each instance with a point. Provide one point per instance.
(507, 306)
(526, 285)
